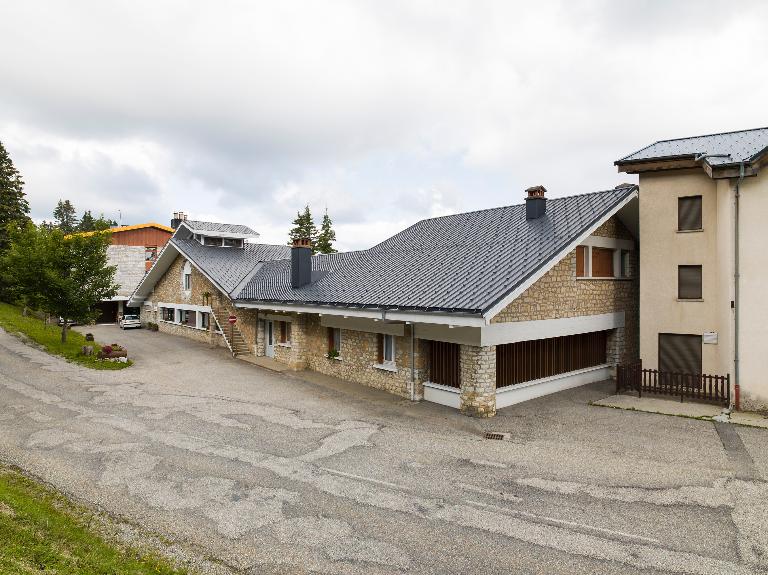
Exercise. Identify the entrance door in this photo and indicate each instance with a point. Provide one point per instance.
(270, 349)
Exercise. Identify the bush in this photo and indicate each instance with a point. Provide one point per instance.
(106, 350)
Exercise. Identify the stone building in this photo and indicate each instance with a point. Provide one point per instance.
(475, 311)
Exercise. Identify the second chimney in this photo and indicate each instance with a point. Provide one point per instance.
(178, 217)
(535, 202)
(301, 263)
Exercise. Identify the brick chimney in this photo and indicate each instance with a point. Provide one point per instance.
(535, 202)
(178, 217)
(301, 262)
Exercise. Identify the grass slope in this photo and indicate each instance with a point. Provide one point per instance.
(49, 336)
(42, 532)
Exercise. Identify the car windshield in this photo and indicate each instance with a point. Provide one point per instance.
(131, 317)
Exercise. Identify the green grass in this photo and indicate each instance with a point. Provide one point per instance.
(49, 336)
(42, 532)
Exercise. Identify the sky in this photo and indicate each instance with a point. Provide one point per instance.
(382, 112)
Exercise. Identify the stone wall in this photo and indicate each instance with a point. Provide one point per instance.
(478, 380)
(130, 262)
(559, 294)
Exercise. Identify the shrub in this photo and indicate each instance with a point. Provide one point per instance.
(106, 350)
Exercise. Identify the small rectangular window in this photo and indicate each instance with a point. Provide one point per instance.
(334, 340)
(581, 259)
(626, 264)
(150, 253)
(388, 353)
(689, 282)
(211, 241)
(689, 213)
(602, 263)
(232, 243)
(187, 282)
(204, 320)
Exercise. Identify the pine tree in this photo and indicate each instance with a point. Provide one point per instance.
(65, 216)
(87, 222)
(303, 228)
(326, 237)
(13, 203)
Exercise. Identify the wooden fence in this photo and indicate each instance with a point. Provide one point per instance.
(696, 386)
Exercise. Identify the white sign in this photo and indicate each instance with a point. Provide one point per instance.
(709, 337)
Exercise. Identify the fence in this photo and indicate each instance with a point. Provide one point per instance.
(697, 386)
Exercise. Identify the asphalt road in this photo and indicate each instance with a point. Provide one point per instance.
(260, 472)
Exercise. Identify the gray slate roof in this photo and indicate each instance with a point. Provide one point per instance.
(463, 263)
(198, 226)
(229, 266)
(741, 146)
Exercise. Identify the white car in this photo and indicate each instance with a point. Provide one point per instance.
(128, 321)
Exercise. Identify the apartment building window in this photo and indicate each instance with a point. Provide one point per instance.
(689, 282)
(679, 353)
(689, 213)
(334, 341)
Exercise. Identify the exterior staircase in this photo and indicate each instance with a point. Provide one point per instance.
(232, 334)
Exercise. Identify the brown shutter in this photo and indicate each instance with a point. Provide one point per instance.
(602, 263)
(580, 256)
(679, 353)
(282, 332)
(689, 282)
(380, 348)
(330, 339)
(689, 213)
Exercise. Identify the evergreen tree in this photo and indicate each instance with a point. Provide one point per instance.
(326, 237)
(87, 222)
(303, 228)
(13, 203)
(101, 223)
(65, 216)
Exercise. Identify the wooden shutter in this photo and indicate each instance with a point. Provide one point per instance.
(602, 263)
(282, 332)
(689, 282)
(679, 353)
(581, 254)
(689, 213)
(380, 348)
(330, 339)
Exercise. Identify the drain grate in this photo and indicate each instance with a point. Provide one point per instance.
(496, 435)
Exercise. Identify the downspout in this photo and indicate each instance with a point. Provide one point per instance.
(413, 361)
(736, 276)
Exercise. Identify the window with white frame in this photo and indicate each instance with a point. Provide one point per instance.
(187, 277)
(204, 320)
(601, 262)
(386, 349)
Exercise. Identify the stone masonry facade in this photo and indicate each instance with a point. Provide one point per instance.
(131, 266)
(478, 380)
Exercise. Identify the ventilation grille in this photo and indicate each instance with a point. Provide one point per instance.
(495, 435)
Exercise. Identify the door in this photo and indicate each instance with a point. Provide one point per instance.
(270, 349)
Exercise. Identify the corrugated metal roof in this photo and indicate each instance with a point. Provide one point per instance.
(464, 262)
(198, 226)
(740, 146)
(228, 266)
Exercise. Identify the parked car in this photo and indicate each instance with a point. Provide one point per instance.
(129, 321)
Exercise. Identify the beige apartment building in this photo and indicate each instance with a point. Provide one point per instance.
(703, 218)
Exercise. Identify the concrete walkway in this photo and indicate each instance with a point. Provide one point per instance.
(702, 411)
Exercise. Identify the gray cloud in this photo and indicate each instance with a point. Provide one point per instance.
(384, 112)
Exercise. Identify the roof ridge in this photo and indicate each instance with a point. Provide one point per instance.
(503, 207)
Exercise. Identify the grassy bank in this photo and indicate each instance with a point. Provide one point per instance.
(42, 532)
(49, 336)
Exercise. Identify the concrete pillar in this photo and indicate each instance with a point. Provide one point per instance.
(478, 380)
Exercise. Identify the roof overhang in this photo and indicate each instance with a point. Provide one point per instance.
(688, 162)
(216, 234)
(406, 316)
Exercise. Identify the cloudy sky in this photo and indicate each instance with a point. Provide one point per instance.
(385, 112)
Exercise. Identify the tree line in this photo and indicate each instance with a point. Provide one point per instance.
(47, 267)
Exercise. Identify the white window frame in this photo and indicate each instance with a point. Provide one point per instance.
(392, 359)
(186, 284)
(617, 246)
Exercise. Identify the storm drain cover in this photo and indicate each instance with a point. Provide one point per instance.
(497, 435)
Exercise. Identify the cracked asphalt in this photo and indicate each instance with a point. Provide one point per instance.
(249, 471)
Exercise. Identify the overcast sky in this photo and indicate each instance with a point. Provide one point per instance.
(385, 112)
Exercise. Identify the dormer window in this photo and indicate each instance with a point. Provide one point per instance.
(232, 243)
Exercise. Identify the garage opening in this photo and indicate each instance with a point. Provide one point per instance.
(107, 311)
(537, 359)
